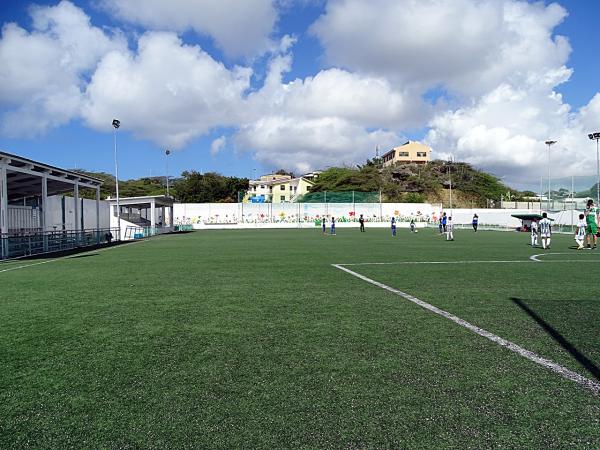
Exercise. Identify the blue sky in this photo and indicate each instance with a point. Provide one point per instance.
(300, 85)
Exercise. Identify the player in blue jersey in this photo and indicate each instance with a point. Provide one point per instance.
(393, 226)
(332, 226)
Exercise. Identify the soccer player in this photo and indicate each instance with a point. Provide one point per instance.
(444, 222)
(332, 226)
(591, 216)
(361, 220)
(412, 225)
(545, 231)
(534, 233)
(324, 224)
(580, 232)
(449, 229)
(393, 226)
(475, 222)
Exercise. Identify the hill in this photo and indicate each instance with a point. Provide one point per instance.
(413, 183)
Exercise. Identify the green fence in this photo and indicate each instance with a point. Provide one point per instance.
(339, 197)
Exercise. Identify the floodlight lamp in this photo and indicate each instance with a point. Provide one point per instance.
(167, 152)
(116, 123)
(596, 135)
(550, 142)
(591, 136)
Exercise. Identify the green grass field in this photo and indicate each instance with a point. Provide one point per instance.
(225, 339)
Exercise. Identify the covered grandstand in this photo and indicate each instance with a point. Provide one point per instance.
(27, 226)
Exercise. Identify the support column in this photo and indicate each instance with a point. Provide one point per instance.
(44, 216)
(76, 210)
(98, 214)
(171, 223)
(164, 218)
(3, 212)
(152, 216)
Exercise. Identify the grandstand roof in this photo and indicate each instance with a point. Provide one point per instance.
(23, 177)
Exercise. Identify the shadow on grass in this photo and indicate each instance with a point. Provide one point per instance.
(587, 363)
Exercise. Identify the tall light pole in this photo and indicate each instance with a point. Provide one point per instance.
(450, 179)
(116, 124)
(549, 144)
(167, 153)
(596, 137)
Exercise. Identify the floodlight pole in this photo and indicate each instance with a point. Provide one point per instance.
(596, 137)
(549, 143)
(167, 153)
(116, 124)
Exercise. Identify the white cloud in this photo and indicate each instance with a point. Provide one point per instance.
(240, 28)
(42, 71)
(167, 92)
(505, 131)
(335, 117)
(468, 46)
(305, 144)
(218, 145)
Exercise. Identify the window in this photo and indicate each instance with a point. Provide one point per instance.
(282, 198)
(282, 187)
(262, 186)
(421, 154)
(291, 188)
(402, 153)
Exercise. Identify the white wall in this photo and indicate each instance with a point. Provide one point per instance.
(89, 213)
(270, 215)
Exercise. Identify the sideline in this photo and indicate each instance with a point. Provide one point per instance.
(551, 365)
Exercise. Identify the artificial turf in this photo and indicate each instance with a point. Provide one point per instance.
(227, 339)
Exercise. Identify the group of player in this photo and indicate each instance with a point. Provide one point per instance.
(587, 229)
(361, 223)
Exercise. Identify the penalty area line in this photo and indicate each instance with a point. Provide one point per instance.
(548, 364)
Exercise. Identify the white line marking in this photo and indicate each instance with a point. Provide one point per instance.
(535, 257)
(67, 257)
(432, 262)
(562, 371)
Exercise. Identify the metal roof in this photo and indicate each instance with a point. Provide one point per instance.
(24, 177)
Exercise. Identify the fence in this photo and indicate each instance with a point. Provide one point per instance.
(35, 243)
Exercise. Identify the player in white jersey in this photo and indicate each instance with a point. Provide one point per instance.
(545, 231)
(534, 233)
(449, 229)
(580, 232)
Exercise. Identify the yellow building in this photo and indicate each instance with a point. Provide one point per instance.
(410, 152)
(275, 188)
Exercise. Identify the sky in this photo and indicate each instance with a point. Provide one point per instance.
(245, 87)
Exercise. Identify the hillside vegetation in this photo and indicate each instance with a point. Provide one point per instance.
(418, 183)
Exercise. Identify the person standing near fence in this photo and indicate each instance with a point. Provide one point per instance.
(444, 222)
(393, 226)
(332, 226)
(324, 225)
(591, 217)
(475, 222)
(361, 221)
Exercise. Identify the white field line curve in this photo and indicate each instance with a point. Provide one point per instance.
(548, 364)
(25, 266)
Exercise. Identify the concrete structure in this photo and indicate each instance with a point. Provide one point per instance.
(409, 152)
(148, 215)
(25, 187)
(275, 188)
